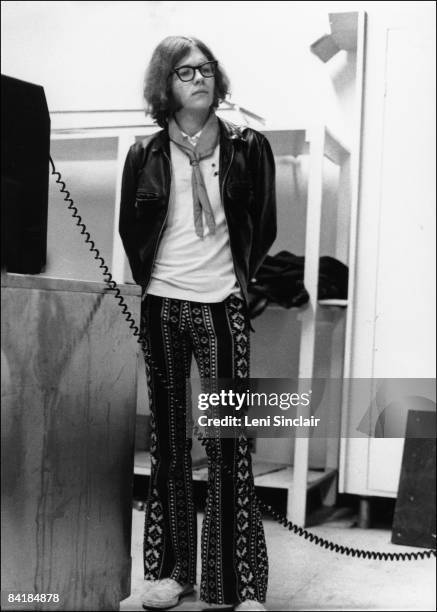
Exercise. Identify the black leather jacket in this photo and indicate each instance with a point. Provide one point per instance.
(247, 185)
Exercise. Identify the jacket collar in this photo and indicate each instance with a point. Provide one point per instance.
(228, 131)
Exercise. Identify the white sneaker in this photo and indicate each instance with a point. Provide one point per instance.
(149, 584)
(165, 593)
(249, 604)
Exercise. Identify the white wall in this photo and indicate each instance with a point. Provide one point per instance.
(92, 55)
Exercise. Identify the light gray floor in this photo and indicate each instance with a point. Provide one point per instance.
(306, 577)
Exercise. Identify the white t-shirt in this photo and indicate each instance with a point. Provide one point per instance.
(188, 267)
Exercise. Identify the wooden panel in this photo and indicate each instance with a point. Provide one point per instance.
(68, 418)
(51, 283)
(414, 520)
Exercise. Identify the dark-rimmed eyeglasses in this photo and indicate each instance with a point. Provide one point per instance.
(187, 73)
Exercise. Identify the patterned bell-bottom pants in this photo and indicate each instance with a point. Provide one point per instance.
(233, 548)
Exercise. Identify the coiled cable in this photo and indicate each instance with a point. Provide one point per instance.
(282, 520)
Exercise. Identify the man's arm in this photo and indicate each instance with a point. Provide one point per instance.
(127, 222)
(265, 206)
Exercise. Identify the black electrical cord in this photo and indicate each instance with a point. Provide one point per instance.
(282, 520)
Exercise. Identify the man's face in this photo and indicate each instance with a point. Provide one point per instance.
(197, 94)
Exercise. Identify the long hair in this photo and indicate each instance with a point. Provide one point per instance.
(160, 103)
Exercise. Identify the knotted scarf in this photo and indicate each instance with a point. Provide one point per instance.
(204, 148)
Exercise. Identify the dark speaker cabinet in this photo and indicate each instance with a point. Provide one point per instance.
(25, 150)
